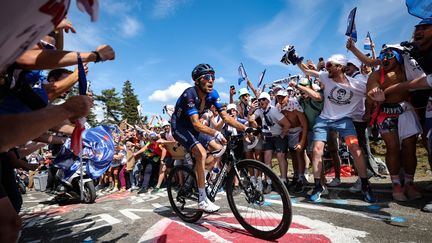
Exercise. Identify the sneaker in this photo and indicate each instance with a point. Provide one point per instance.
(293, 182)
(115, 189)
(143, 190)
(122, 189)
(99, 188)
(411, 192)
(334, 182)
(155, 190)
(267, 189)
(398, 193)
(299, 186)
(368, 195)
(208, 206)
(316, 194)
(356, 187)
(134, 188)
(428, 207)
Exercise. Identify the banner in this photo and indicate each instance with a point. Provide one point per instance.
(351, 29)
(419, 8)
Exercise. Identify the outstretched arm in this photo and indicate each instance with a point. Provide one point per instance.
(350, 45)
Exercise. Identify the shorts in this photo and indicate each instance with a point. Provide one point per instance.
(275, 143)
(188, 139)
(169, 162)
(322, 128)
(294, 137)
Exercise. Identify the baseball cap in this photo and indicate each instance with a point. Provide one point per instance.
(338, 59)
(165, 123)
(282, 92)
(264, 95)
(231, 106)
(243, 91)
(426, 21)
(304, 82)
(354, 62)
(277, 87)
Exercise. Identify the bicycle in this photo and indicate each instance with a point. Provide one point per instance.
(250, 207)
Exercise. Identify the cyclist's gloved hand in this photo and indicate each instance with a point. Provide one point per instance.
(220, 138)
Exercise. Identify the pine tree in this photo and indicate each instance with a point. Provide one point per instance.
(129, 103)
(112, 104)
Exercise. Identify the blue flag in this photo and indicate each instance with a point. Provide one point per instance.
(368, 42)
(82, 80)
(261, 78)
(101, 146)
(351, 29)
(242, 73)
(419, 8)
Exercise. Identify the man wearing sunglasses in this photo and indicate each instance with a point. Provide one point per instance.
(336, 116)
(186, 125)
(275, 129)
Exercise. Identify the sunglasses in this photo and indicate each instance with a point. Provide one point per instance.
(387, 55)
(208, 76)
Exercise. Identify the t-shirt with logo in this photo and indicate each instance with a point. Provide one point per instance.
(340, 100)
(270, 120)
(360, 108)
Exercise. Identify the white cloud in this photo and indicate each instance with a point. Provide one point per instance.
(166, 8)
(220, 80)
(224, 96)
(171, 93)
(99, 110)
(130, 26)
(115, 7)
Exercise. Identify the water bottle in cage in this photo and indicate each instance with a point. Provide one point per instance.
(214, 174)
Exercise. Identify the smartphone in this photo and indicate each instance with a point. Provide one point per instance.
(321, 59)
(232, 87)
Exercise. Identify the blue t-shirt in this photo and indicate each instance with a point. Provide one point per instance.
(189, 103)
(11, 104)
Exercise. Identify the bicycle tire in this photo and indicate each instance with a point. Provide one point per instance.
(283, 223)
(177, 191)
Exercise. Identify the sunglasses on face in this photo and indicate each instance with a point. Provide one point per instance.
(208, 76)
(386, 55)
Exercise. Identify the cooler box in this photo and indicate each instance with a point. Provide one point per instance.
(40, 182)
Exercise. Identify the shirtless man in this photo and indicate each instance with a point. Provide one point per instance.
(297, 135)
(396, 121)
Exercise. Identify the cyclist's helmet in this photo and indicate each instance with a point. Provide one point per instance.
(201, 69)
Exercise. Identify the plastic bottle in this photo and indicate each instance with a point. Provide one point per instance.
(214, 174)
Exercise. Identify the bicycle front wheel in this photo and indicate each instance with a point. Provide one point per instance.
(183, 193)
(266, 216)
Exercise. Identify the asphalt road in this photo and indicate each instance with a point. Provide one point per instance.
(127, 217)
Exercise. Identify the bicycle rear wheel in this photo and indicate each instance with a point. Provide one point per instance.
(266, 216)
(183, 193)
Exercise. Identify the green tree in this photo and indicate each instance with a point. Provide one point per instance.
(112, 102)
(130, 102)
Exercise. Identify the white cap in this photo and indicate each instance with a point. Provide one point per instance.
(231, 106)
(277, 86)
(282, 92)
(355, 62)
(338, 59)
(165, 123)
(264, 95)
(290, 88)
(243, 91)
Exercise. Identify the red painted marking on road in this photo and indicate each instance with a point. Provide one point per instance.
(231, 220)
(115, 196)
(175, 232)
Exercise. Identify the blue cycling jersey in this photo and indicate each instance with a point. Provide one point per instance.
(189, 104)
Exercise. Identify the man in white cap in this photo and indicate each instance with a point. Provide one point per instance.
(275, 129)
(341, 94)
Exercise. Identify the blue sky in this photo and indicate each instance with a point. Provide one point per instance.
(158, 42)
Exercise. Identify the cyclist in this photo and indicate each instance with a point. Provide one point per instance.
(189, 131)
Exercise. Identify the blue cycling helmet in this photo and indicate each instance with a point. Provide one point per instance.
(201, 69)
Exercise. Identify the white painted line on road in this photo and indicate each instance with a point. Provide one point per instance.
(154, 232)
(128, 212)
(160, 208)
